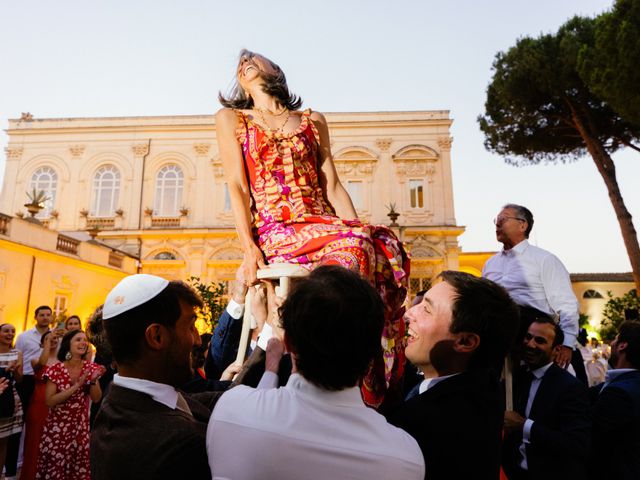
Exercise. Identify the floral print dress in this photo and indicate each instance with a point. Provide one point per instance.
(294, 223)
(64, 447)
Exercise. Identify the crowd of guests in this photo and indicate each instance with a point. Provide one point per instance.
(177, 406)
(48, 382)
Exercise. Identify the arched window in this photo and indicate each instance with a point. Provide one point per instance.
(106, 189)
(169, 182)
(45, 179)
(165, 256)
(591, 294)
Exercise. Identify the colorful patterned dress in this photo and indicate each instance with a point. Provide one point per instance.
(12, 424)
(294, 223)
(64, 447)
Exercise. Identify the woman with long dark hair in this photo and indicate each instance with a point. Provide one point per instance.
(290, 206)
(64, 447)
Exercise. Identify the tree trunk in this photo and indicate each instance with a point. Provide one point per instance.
(607, 170)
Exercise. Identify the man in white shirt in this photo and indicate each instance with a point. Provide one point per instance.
(146, 428)
(548, 434)
(535, 279)
(317, 426)
(28, 343)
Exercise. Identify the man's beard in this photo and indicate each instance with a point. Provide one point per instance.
(179, 372)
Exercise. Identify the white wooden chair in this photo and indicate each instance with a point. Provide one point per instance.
(276, 271)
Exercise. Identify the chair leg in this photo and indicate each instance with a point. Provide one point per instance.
(246, 328)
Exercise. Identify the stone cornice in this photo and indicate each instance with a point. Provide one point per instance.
(336, 120)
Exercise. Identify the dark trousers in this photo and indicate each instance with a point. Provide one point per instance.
(25, 392)
(578, 365)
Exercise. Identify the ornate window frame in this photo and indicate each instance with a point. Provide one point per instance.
(98, 189)
(357, 164)
(161, 181)
(416, 162)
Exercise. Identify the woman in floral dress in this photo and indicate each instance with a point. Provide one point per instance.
(64, 447)
(290, 206)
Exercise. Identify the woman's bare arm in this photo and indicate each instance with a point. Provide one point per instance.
(239, 194)
(52, 398)
(329, 180)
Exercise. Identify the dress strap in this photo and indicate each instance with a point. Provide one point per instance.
(307, 117)
(242, 128)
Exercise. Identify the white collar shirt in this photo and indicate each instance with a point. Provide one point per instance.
(428, 383)
(538, 373)
(537, 278)
(160, 392)
(304, 431)
(28, 343)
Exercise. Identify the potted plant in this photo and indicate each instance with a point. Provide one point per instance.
(393, 215)
(37, 199)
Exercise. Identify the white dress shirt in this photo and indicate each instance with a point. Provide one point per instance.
(28, 343)
(235, 309)
(428, 383)
(303, 431)
(538, 373)
(536, 278)
(160, 392)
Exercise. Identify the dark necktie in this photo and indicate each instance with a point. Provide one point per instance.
(523, 394)
(415, 391)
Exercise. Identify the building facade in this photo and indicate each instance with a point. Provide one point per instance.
(154, 186)
(39, 266)
(592, 291)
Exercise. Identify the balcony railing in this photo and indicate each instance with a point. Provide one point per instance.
(165, 222)
(67, 244)
(5, 220)
(100, 223)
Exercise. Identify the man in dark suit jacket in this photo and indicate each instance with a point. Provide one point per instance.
(146, 428)
(548, 434)
(458, 337)
(223, 348)
(616, 410)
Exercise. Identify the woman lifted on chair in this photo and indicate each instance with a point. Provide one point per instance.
(290, 206)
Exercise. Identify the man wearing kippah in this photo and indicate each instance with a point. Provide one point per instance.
(146, 428)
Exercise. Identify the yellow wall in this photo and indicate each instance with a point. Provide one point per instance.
(31, 261)
(84, 284)
(472, 262)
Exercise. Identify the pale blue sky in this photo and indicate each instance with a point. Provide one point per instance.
(73, 58)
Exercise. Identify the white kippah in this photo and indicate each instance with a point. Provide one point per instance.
(131, 292)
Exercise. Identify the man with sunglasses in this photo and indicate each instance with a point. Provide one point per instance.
(535, 278)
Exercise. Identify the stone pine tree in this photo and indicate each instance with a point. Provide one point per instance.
(610, 66)
(538, 109)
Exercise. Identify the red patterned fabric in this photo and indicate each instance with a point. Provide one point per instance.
(294, 223)
(34, 425)
(64, 447)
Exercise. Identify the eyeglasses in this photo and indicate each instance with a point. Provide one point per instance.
(500, 220)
